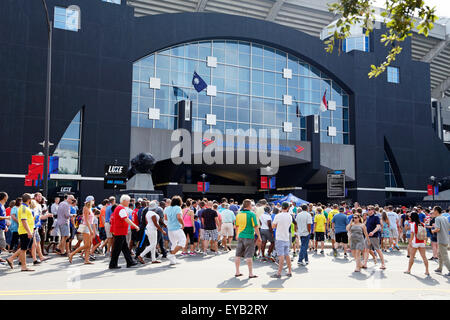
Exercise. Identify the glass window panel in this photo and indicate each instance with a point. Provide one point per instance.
(257, 89)
(145, 90)
(280, 64)
(219, 83)
(257, 116)
(305, 83)
(192, 50)
(316, 96)
(134, 121)
(338, 139)
(134, 103)
(294, 135)
(219, 54)
(197, 126)
(244, 102)
(205, 44)
(231, 72)
(231, 57)
(163, 62)
(269, 91)
(244, 60)
(177, 64)
(280, 91)
(244, 87)
(72, 131)
(203, 98)
(269, 106)
(163, 74)
(231, 114)
(243, 115)
(269, 64)
(338, 124)
(325, 123)
(281, 117)
(220, 126)
(269, 77)
(145, 103)
(231, 85)
(144, 121)
(279, 106)
(219, 112)
(257, 49)
(218, 100)
(345, 113)
(244, 47)
(146, 73)
(191, 66)
(135, 72)
(293, 64)
(294, 82)
(203, 110)
(178, 51)
(345, 126)
(345, 100)
(244, 74)
(219, 71)
(162, 105)
(231, 100)
(315, 84)
(257, 62)
(163, 92)
(304, 69)
(257, 76)
(295, 93)
(204, 53)
(269, 52)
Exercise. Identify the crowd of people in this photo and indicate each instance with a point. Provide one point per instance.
(150, 230)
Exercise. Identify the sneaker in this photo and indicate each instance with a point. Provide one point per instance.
(397, 247)
(391, 249)
(171, 258)
(334, 252)
(345, 254)
(321, 252)
(192, 253)
(302, 263)
(184, 253)
(36, 262)
(276, 276)
(438, 271)
(307, 262)
(447, 275)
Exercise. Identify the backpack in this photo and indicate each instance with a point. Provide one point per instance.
(421, 232)
(141, 218)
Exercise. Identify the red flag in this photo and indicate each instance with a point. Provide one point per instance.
(324, 103)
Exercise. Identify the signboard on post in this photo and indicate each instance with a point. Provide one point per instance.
(115, 176)
(336, 184)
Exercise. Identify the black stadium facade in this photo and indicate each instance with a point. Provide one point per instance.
(111, 68)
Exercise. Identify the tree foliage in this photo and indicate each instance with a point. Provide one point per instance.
(400, 16)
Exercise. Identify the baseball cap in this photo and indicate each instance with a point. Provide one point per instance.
(285, 205)
(88, 199)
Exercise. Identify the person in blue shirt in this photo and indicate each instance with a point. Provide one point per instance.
(373, 226)
(14, 227)
(109, 236)
(422, 215)
(339, 225)
(196, 233)
(3, 218)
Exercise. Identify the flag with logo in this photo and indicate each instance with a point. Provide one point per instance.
(324, 102)
(198, 83)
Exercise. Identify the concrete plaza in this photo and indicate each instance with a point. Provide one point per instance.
(212, 277)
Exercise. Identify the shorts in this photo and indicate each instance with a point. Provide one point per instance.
(36, 235)
(166, 236)
(108, 230)
(79, 236)
(102, 233)
(394, 232)
(24, 241)
(373, 243)
(96, 240)
(64, 230)
(245, 248)
(417, 245)
(211, 235)
(342, 237)
(266, 235)
(177, 238)
(282, 247)
(320, 236)
(83, 229)
(2, 239)
(332, 235)
(433, 238)
(227, 229)
(189, 231)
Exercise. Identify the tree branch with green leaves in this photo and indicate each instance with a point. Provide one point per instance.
(400, 16)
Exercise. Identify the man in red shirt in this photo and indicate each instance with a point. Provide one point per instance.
(119, 229)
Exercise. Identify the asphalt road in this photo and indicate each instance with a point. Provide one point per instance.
(212, 277)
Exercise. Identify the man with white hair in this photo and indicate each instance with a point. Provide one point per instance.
(119, 228)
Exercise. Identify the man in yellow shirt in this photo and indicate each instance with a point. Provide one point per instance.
(331, 214)
(320, 227)
(26, 228)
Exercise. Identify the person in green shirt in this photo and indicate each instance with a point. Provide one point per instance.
(246, 227)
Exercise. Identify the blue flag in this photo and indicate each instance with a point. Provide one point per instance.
(198, 83)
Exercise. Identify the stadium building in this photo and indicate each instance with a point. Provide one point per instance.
(122, 75)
